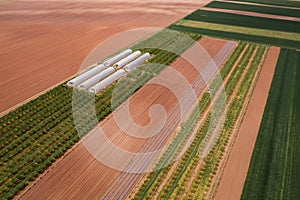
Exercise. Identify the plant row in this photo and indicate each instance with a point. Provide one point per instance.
(155, 178)
(178, 181)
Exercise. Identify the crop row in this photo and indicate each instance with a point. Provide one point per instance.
(204, 176)
(155, 178)
(39, 132)
(179, 179)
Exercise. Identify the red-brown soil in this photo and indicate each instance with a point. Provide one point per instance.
(44, 42)
(232, 181)
(79, 175)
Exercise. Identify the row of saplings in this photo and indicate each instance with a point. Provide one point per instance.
(183, 172)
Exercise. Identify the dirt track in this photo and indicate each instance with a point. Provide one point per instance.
(232, 181)
(79, 175)
(44, 42)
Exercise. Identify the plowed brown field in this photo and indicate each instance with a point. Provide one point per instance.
(44, 42)
(79, 175)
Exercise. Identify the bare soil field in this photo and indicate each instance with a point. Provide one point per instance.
(235, 172)
(80, 176)
(44, 42)
(255, 14)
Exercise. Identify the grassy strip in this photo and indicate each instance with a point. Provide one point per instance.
(242, 30)
(239, 36)
(254, 8)
(244, 21)
(34, 135)
(274, 169)
(155, 178)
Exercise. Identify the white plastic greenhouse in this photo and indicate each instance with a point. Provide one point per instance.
(136, 62)
(97, 78)
(88, 74)
(107, 81)
(120, 64)
(102, 75)
(116, 58)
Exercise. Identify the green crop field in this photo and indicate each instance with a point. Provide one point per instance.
(242, 30)
(275, 2)
(255, 8)
(238, 36)
(239, 27)
(244, 21)
(36, 134)
(274, 171)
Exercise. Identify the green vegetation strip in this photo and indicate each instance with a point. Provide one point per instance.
(255, 8)
(295, 4)
(239, 36)
(244, 21)
(154, 179)
(177, 183)
(243, 30)
(36, 134)
(274, 168)
(204, 176)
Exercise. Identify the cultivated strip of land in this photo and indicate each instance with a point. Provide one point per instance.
(265, 9)
(248, 13)
(274, 168)
(265, 3)
(242, 30)
(234, 173)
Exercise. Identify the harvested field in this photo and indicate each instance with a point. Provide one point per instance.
(232, 181)
(79, 174)
(44, 43)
